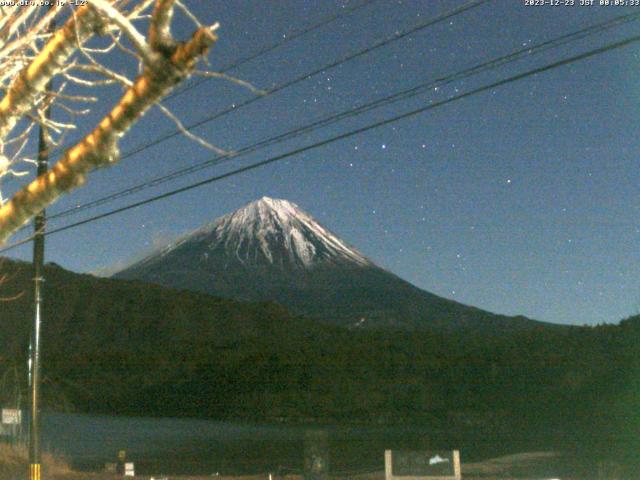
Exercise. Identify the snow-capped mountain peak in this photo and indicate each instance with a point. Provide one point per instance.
(271, 232)
(271, 250)
(279, 232)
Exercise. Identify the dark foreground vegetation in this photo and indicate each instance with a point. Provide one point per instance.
(123, 347)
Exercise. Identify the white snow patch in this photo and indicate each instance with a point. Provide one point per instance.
(438, 459)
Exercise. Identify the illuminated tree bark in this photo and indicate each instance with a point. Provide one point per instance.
(33, 79)
(166, 63)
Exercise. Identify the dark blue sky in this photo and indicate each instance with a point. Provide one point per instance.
(521, 200)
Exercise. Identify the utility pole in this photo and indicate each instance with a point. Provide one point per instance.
(38, 279)
(40, 223)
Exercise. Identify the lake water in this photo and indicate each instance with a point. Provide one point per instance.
(204, 447)
(194, 446)
(170, 445)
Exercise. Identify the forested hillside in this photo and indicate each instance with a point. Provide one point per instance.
(124, 347)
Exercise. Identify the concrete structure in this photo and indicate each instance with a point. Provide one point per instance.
(422, 465)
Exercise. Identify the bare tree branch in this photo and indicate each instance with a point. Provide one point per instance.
(112, 15)
(171, 63)
(160, 28)
(199, 140)
(32, 80)
(232, 79)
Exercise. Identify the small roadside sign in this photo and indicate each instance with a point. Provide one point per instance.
(11, 416)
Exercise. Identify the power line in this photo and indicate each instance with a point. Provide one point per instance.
(286, 39)
(396, 36)
(277, 158)
(347, 58)
(402, 95)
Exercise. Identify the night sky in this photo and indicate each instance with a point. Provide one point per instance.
(520, 200)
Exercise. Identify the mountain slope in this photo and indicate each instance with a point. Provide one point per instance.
(271, 250)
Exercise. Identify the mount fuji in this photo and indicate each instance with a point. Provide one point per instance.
(271, 250)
